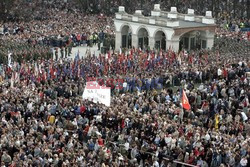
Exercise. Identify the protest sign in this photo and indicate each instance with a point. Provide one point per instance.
(96, 93)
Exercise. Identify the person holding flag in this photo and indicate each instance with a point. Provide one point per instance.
(9, 59)
(184, 101)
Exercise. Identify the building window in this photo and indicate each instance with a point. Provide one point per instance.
(186, 41)
(204, 44)
(192, 43)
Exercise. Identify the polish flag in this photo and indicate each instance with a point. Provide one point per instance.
(185, 102)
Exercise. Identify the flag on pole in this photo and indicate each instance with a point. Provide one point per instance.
(77, 57)
(12, 80)
(17, 77)
(9, 59)
(179, 57)
(36, 72)
(109, 55)
(217, 56)
(185, 102)
(120, 52)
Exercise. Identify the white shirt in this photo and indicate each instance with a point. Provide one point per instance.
(168, 140)
(244, 117)
(240, 63)
(124, 84)
(30, 106)
(207, 137)
(219, 72)
(156, 164)
(126, 146)
(243, 162)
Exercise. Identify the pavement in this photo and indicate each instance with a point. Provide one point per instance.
(82, 50)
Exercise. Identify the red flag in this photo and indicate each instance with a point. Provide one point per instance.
(190, 58)
(146, 64)
(109, 55)
(106, 69)
(44, 75)
(131, 55)
(152, 56)
(123, 124)
(185, 102)
(52, 74)
(39, 79)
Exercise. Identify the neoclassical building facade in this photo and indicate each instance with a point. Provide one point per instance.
(163, 30)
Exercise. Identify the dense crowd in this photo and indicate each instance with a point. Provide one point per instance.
(45, 121)
(60, 28)
(59, 24)
(62, 25)
(63, 20)
(56, 24)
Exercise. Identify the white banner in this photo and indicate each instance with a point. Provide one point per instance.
(96, 93)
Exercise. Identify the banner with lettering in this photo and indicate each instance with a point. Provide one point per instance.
(96, 93)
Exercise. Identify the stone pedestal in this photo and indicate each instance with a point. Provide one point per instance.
(210, 42)
(118, 40)
(173, 44)
(134, 40)
(151, 42)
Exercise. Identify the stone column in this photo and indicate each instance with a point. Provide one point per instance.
(151, 42)
(134, 41)
(210, 39)
(210, 42)
(118, 40)
(173, 44)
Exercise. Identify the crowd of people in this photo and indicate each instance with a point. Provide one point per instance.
(45, 121)
(61, 25)
(56, 27)
(56, 24)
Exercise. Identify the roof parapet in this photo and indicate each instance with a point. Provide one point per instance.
(157, 7)
(121, 9)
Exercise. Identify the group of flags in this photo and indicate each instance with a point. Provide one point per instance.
(129, 60)
(103, 63)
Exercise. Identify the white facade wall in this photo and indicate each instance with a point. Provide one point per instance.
(153, 25)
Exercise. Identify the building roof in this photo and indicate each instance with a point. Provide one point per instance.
(187, 24)
(171, 19)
